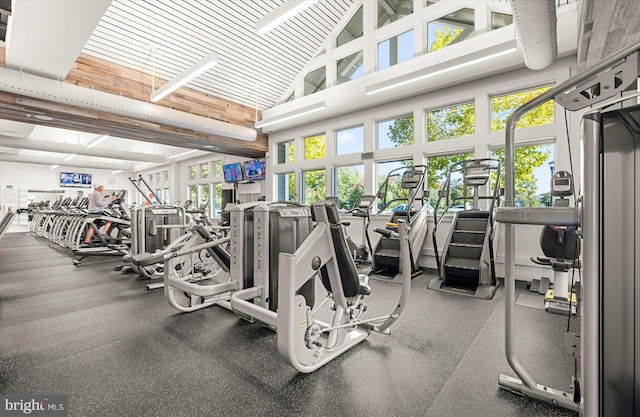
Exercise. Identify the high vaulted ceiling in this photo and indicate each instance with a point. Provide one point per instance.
(133, 41)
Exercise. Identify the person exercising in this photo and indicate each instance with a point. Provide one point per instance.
(97, 203)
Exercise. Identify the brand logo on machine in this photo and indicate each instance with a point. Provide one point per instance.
(34, 405)
(259, 242)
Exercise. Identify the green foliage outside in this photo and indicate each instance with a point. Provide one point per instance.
(444, 37)
(315, 182)
(503, 106)
(315, 186)
(451, 122)
(401, 131)
(349, 186)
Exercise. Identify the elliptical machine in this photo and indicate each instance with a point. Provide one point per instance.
(561, 248)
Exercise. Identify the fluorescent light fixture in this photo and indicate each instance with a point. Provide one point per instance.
(97, 140)
(281, 15)
(292, 115)
(183, 154)
(116, 172)
(53, 166)
(70, 157)
(380, 87)
(188, 75)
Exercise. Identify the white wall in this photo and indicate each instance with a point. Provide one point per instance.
(24, 179)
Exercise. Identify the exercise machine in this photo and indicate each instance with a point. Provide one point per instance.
(6, 221)
(305, 341)
(561, 248)
(412, 209)
(362, 210)
(466, 265)
(607, 379)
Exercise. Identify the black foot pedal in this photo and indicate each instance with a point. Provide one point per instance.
(535, 285)
(545, 283)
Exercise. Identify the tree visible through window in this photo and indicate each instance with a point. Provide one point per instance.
(315, 147)
(437, 171)
(503, 106)
(450, 29)
(451, 122)
(286, 186)
(395, 132)
(533, 174)
(394, 190)
(348, 185)
(314, 186)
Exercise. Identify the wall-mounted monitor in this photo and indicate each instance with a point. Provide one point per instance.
(74, 179)
(232, 172)
(255, 170)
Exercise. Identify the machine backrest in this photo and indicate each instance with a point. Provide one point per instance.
(346, 265)
(560, 243)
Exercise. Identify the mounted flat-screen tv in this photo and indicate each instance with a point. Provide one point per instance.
(232, 172)
(255, 170)
(75, 179)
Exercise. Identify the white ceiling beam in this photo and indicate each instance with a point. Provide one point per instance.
(45, 37)
(72, 149)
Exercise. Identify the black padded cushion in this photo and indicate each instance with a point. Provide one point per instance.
(346, 266)
(560, 244)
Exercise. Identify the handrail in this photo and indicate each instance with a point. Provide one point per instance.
(447, 185)
(518, 113)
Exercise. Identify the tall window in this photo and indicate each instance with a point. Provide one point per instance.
(499, 20)
(503, 106)
(315, 147)
(315, 81)
(165, 176)
(395, 132)
(437, 171)
(165, 196)
(350, 67)
(533, 174)
(314, 186)
(217, 168)
(450, 29)
(393, 191)
(150, 179)
(286, 152)
(395, 50)
(286, 187)
(192, 172)
(352, 30)
(217, 200)
(350, 140)
(204, 195)
(392, 10)
(348, 185)
(192, 192)
(158, 178)
(204, 170)
(451, 122)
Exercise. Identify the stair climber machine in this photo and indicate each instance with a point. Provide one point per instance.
(467, 263)
(279, 271)
(561, 247)
(386, 263)
(153, 228)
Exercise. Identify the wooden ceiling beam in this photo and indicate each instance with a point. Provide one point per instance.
(24, 109)
(101, 75)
